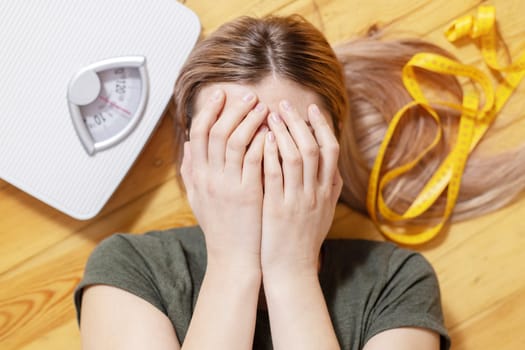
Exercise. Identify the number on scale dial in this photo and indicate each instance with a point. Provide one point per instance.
(107, 100)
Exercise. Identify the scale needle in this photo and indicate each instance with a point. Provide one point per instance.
(113, 104)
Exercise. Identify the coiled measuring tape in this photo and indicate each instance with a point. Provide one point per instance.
(474, 121)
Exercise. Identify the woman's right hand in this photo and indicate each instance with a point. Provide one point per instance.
(221, 170)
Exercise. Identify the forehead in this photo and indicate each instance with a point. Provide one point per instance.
(271, 90)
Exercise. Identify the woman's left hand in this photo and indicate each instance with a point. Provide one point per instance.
(300, 192)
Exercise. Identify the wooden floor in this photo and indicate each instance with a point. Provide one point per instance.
(479, 263)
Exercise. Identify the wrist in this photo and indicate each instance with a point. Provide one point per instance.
(291, 266)
(233, 282)
(236, 267)
(279, 275)
(284, 288)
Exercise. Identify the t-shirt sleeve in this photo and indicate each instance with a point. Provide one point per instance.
(165, 268)
(116, 262)
(409, 298)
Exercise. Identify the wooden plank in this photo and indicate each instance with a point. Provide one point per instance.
(64, 337)
(498, 327)
(477, 257)
(362, 228)
(478, 262)
(37, 295)
(483, 269)
(506, 132)
(234, 8)
(28, 226)
(343, 20)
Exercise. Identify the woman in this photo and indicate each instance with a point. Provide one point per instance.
(266, 102)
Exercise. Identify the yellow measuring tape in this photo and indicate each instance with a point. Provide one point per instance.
(474, 121)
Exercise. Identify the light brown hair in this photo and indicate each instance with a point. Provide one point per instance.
(360, 86)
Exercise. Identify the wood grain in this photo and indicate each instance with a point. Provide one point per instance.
(478, 262)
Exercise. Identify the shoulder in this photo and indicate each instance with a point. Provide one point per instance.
(374, 258)
(150, 248)
(392, 286)
(154, 249)
(150, 265)
(187, 237)
(382, 270)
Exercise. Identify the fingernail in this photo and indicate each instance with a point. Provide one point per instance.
(271, 136)
(275, 117)
(286, 105)
(315, 110)
(263, 128)
(260, 107)
(248, 97)
(217, 95)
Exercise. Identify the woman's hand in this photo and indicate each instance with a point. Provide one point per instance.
(221, 171)
(298, 208)
(301, 194)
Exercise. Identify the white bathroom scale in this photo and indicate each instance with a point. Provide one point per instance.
(83, 83)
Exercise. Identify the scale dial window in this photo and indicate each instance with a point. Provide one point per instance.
(107, 101)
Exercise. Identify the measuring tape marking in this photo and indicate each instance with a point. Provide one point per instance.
(474, 122)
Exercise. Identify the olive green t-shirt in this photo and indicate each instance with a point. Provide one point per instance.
(368, 286)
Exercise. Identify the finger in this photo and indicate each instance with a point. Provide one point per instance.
(200, 129)
(235, 111)
(292, 164)
(241, 137)
(252, 167)
(186, 169)
(328, 145)
(273, 176)
(305, 142)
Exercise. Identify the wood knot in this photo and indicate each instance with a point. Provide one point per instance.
(373, 30)
(158, 162)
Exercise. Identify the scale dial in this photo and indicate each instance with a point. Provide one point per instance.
(107, 100)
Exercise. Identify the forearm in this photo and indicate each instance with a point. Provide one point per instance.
(225, 313)
(299, 317)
